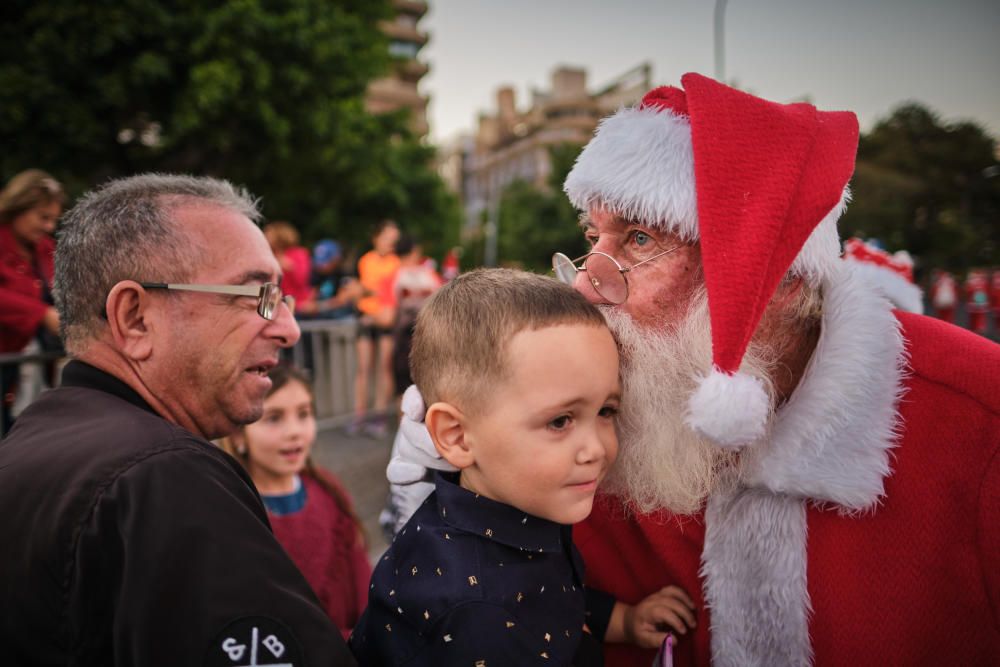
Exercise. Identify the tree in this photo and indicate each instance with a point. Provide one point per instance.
(266, 93)
(535, 223)
(924, 186)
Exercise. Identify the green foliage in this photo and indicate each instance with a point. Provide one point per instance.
(928, 187)
(266, 93)
(535, 223)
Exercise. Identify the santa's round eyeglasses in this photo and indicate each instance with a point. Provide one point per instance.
(604, 273)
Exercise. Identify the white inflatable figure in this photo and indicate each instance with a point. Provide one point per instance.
(892, 275)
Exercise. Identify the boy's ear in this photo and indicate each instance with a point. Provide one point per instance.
(446, 425)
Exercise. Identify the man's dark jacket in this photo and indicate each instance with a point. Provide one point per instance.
(127, 540)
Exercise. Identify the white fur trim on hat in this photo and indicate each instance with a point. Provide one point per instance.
(820, 254)
(640, 165)
(732, 410)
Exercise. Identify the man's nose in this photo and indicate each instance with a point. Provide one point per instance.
(283, 328)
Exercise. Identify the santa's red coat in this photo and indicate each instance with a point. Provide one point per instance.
(913, 580)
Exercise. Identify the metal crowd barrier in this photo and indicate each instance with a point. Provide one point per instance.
(325, 352)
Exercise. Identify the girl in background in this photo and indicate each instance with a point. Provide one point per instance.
(310, 512)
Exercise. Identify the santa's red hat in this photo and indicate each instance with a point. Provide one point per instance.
(759, 185)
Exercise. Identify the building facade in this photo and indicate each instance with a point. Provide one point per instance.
(400, 87)
(513, 144)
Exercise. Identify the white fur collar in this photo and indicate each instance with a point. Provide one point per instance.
(831, 441)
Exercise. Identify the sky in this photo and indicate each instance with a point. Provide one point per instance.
(868, 56)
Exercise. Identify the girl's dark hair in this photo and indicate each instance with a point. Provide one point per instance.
(280, 376)
(406, 244)
(381, 226)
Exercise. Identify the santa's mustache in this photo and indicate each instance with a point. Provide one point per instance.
(662, 463)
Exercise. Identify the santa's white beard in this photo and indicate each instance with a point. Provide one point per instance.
(662, 463)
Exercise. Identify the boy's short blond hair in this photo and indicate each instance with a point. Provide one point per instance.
(462, 333)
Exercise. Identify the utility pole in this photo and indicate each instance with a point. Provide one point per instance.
(720, 40)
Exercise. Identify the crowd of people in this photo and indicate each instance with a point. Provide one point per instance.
(978, 295)
(710, 441)
(381, 292)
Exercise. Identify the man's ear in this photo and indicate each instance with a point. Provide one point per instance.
(446, 425)
(130, 319)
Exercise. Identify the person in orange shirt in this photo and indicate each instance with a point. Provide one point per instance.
(376, 315)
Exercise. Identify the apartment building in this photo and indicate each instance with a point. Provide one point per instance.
(400, 87)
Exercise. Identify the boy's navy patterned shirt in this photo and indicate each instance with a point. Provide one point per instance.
(471, 581)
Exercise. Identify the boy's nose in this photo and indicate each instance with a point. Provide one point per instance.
(592, 449)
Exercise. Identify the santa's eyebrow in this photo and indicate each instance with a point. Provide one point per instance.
(585, 221)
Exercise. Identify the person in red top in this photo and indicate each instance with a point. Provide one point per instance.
(296, 262)
(30, 205)
(977, 300)
(310, 512)
(820, 472)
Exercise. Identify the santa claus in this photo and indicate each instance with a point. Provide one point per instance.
(820, 472)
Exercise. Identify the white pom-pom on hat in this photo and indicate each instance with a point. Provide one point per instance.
(730, 409)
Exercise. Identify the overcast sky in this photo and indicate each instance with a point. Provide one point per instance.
(864, 55)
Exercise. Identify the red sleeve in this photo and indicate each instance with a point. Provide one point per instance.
(21, 314)
(23, 309)
(361, 569)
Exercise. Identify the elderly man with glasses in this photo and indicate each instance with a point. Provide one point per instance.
(129, 537)
(820, 472)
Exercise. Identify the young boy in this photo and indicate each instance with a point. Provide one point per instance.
(521, 377)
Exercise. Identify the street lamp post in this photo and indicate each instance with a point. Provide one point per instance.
(720, 40)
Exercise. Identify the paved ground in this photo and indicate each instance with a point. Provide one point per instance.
(359, 462)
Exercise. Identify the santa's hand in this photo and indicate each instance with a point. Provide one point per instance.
(414, 454)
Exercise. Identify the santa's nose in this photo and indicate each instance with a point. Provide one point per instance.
(584, 284)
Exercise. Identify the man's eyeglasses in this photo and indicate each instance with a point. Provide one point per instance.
(268, 295)
(605, 274)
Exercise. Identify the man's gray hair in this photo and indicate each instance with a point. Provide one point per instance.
(124, 231)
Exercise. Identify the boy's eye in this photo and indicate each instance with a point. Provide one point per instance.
(560, 423)
(609, 411)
